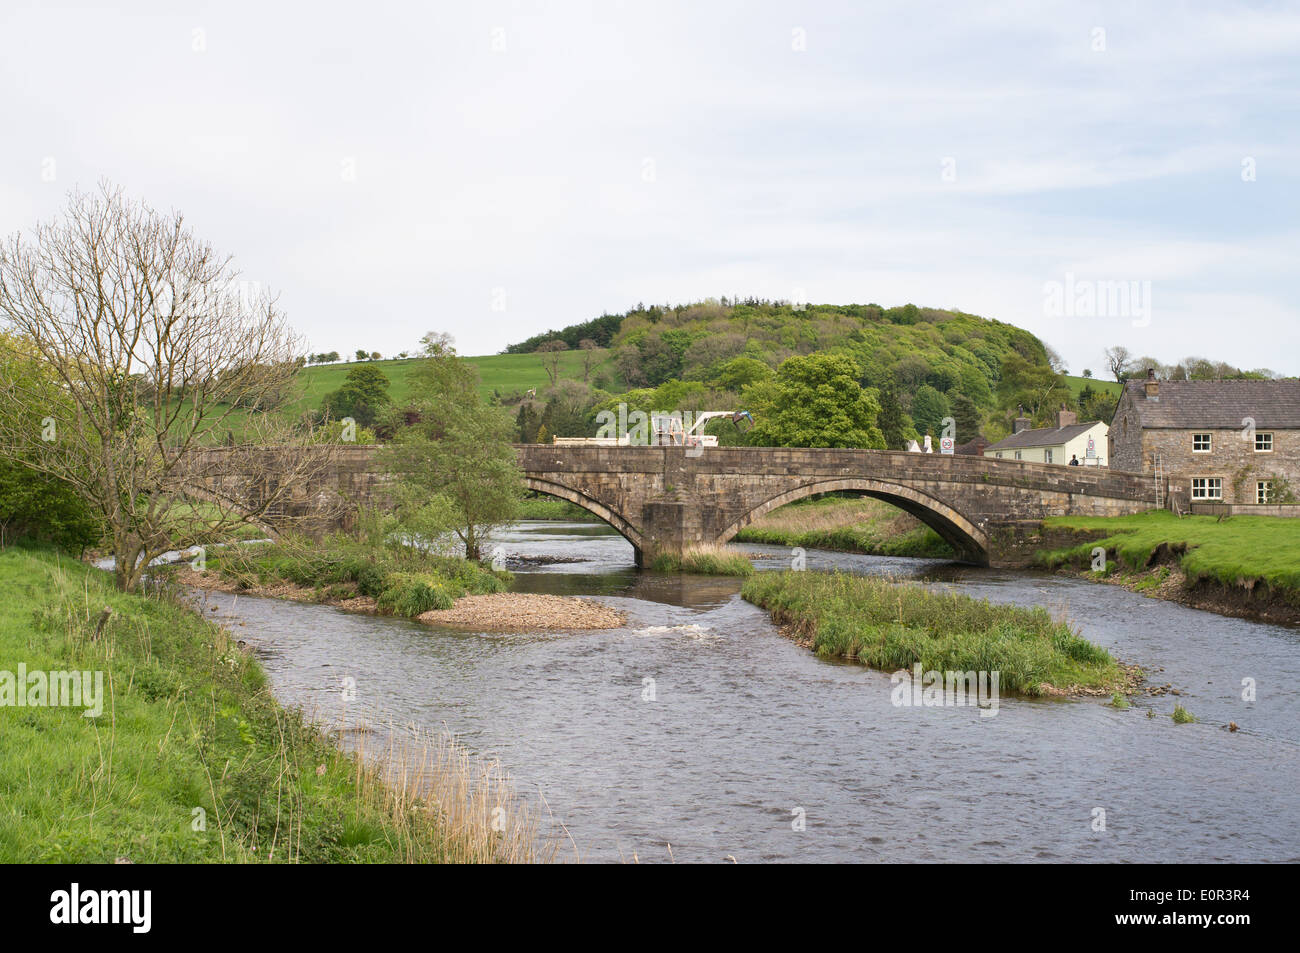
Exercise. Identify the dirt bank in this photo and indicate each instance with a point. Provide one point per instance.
(1168, 581)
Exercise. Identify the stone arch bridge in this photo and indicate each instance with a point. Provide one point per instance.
(665, 499)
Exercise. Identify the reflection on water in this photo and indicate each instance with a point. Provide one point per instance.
(698, 725)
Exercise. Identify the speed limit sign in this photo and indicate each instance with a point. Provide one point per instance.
(945, 444)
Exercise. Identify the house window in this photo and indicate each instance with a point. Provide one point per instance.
(1200, 443)
(1017, 454)
(1047, 456)
(1263, 442)
(1263, 490)
(999, 454)
(1207, 488)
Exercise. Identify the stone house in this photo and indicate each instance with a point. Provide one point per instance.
(1232, 441)
(1069, 438)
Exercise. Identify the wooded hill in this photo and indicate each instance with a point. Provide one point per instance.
(920, 364)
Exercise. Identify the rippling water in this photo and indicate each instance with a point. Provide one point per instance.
(747, 732)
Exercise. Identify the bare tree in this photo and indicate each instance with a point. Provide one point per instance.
(150, 351)
(589, 358)
(550, 351)
(1118, 359)
(1058, 364)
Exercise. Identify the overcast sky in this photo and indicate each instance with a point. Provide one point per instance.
(497, 169)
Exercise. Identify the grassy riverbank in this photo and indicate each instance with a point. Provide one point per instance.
(192, 758)
(891, 626)
(847, 524)
(1245, 563)
(400, 580)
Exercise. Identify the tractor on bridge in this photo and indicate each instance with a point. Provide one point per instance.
(674, 429)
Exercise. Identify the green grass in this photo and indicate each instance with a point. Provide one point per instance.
(505, 374)
(705, 561)
(539, 507)
(1077, 384)
(1181, 715)
(402, 581)
(891, 626)
(190, 732)
(1235, 551)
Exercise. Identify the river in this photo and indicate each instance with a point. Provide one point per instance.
(753, 749)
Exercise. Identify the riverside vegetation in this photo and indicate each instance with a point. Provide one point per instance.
(373, 563)
(193, 759)
(890, 626)
(1242, 564)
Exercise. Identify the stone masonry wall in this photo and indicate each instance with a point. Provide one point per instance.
(1232, 458)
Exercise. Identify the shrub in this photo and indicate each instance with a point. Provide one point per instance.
(411, 595)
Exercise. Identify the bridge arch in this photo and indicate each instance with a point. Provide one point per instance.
(593, 506)
(228, 502)
(963, 535)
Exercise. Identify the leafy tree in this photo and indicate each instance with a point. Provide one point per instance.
(458, 447)
(890, 420)
(362, 354)
(929, 407)
(1096, 405)
(43, 508)
(739, 372)
(527, 420)
(568, 410)
(966, 417)
(363, 396)
(816, 401)
(1033, 386)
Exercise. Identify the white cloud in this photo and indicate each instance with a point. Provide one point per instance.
(773, 169)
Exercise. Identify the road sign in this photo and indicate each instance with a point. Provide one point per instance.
(946, 445)
(1092, 448)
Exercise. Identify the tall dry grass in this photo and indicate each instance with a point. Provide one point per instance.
(450, 805)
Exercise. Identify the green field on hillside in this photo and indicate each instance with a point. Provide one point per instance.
(1078, 383)
(499, 373)
(506, 373)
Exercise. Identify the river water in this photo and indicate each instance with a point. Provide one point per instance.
(752, 748)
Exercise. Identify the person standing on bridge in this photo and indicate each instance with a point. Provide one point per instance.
(1074, 460)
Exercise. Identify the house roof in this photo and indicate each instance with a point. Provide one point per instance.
(1223, 405)
(1043, 436)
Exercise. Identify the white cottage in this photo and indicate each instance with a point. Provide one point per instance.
(1068, 440)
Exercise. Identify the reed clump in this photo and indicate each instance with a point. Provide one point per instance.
(891, 625)
(710, 560)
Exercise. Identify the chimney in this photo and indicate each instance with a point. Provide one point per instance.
(1021, 423)
(1065, 418)
(1152, 385)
